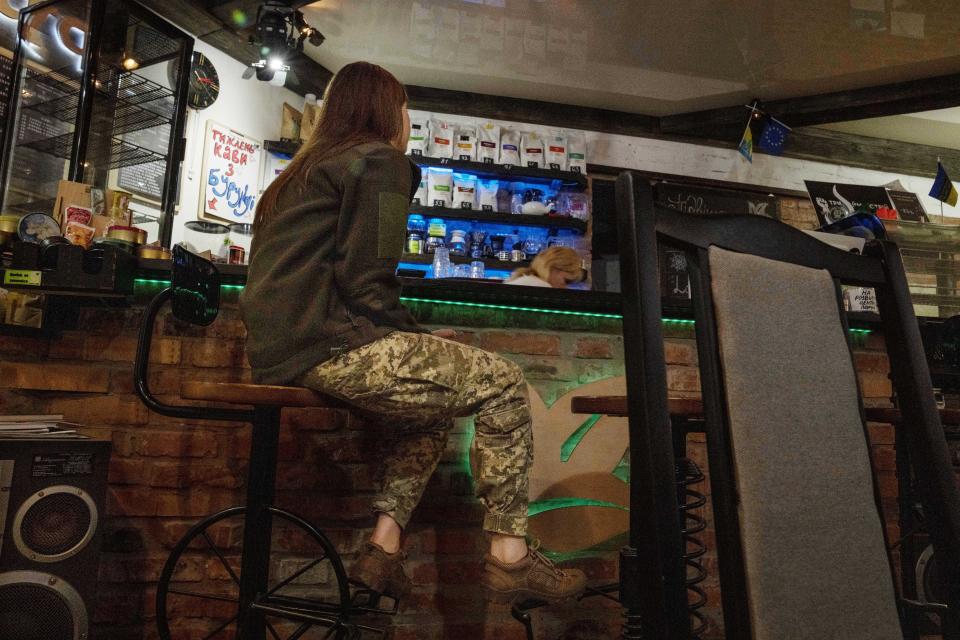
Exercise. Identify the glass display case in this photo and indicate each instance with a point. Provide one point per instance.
(97, 96)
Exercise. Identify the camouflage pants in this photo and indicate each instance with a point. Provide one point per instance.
(417, 383)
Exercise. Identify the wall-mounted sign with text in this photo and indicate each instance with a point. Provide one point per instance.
(231, 174)
(707, 201)
(835, 201)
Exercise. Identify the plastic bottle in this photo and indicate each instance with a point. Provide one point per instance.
(416, 230)
(436, 234)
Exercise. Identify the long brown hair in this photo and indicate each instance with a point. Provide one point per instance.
(565, 259)
(362, 103)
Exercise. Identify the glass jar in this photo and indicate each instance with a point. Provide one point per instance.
(241, 235)
(503, 197)
(201, 236)
(477, 239)
(416, 230)
(458, 242)
(436, 234)
(574, 204)
(531, 247)
(516, 198)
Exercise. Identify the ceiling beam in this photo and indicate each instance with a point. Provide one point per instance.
(849, 150)
(531, 111)
(878, 154)
(855, 104)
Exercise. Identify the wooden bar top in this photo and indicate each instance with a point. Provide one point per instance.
(693, 408)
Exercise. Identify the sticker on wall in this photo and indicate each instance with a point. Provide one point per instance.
(231, 175)
(274, 165)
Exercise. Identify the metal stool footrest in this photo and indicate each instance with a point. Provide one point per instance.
(521, 610)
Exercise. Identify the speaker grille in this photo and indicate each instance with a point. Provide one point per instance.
(55, 524)
(32, 612)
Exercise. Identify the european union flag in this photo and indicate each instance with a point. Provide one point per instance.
(774, 136)
(943, 189)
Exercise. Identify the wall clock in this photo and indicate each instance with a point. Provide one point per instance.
(204, 84)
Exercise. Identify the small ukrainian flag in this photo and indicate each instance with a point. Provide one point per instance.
(943, 189)
(746, 142)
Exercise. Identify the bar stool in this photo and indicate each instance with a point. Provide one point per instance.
(195, 297)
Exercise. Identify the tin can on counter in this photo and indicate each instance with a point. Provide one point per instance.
(127, 234)
(516, 255)
(238, 255)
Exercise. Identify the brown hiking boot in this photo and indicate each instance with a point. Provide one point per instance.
(381, 572)
(534, 577)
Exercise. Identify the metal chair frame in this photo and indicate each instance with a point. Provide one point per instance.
(652, 572)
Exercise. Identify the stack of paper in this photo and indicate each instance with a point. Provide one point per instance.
(49, 426)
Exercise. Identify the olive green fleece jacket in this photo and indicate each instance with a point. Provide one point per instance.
(322, 276)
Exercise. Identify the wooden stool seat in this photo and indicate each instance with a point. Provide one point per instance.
(255, 394)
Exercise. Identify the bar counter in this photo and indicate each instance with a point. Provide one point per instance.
(166, 474)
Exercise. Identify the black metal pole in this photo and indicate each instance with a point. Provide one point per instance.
(10, 115)
(261, 478)
(88, 79)
(176, 146)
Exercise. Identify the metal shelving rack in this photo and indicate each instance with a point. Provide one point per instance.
(931, 258)
(76, 111)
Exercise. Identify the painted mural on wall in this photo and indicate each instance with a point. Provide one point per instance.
(579, 492)
(231, 174)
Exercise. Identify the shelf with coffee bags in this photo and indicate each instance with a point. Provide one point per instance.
(505, 171)
(517, 220)
(479, 169)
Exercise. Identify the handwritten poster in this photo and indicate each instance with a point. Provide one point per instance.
(231, 174)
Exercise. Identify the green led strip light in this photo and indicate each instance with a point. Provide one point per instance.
(166, 283)
(485, 305)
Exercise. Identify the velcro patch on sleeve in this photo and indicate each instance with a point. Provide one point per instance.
(393, 225)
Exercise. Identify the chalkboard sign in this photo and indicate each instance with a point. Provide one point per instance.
(674, 280)
(908, 205)
(708, 201)
(143, 179)
(147, 179)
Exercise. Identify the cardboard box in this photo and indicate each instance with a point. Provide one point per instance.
(69, 193)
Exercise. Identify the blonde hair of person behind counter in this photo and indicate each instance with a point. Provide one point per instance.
(564, 260)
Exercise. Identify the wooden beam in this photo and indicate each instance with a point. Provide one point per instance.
(855, 104)
(532, 111)
(187, 15)
(866, 152)
(849, 150)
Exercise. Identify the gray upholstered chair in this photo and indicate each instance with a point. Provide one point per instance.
(802, 549)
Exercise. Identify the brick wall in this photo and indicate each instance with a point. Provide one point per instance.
(166, 474)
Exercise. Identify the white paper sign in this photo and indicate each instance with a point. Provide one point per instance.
(231, 174)
(273, 167)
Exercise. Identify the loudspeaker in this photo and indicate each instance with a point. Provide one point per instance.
(52, 496)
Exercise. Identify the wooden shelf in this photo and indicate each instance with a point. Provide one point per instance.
(507, 219)
(510, 172)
